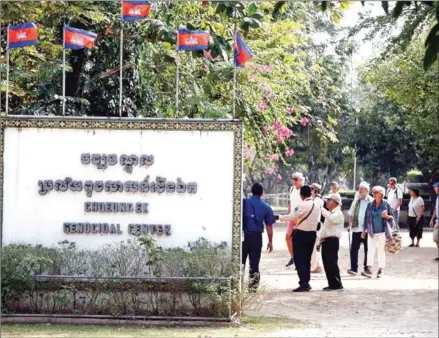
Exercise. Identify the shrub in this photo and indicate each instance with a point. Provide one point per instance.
(136, 258)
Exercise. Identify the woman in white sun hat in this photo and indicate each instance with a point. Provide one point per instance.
(377, 230)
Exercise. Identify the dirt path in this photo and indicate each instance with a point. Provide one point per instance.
(403, 304)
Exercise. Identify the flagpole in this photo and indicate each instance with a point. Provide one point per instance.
(1, 79)
(234, 72)
(7, 73)
(64, 71)
(177, 81)
(121, 68)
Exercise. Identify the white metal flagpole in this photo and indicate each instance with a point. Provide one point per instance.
(234, 72)
(64, 71)
(7, 72)
(1, 79)
(177, 81)
(121, 67)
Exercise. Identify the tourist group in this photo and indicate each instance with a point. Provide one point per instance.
(315, 225)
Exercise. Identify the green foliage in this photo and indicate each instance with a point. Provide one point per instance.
(106, 293)
(402, 81)
(18, 262)
(414, 17)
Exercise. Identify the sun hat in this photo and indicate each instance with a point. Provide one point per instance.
(334, 197)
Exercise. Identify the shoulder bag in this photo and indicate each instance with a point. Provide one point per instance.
(394, 241)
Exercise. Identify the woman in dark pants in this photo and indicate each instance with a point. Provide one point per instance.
(416, 217)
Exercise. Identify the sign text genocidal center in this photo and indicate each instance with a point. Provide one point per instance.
(103, 161)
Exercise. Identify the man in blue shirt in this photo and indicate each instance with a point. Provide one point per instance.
(255, 213)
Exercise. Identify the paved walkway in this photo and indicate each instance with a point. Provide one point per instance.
(404, 303)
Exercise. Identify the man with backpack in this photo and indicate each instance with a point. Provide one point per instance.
(255, 213)
(394, 198)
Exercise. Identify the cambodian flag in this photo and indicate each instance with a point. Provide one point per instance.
(242, 53)
(135, 10)
(75, 38)
(22, 35)
(192, 40)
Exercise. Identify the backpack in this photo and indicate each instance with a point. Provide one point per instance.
(396, 192)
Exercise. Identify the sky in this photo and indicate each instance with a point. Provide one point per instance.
(366, 49)
(351, 17)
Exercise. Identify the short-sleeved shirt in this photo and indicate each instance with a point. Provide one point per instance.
(307, 214)
(255, 213)
(393, 195)
(415, 206)
(295, 198)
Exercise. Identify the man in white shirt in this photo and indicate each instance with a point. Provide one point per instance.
(394, 198)
(293, 202)
(433, 224)
(307, 217)
(357, 213)
(331, 232)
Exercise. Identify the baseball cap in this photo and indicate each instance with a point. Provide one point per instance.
(436, 185)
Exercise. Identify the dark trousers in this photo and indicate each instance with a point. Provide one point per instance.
(330, 247)
(416, 228)
(355, 247)
(303, 246)
(252, 248)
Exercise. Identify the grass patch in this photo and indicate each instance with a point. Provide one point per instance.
(249, 327)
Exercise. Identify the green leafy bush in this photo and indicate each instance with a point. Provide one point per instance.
(24, 291)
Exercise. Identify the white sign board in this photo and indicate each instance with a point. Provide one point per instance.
(98, 186)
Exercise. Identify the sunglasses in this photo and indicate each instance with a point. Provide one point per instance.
(295, 179)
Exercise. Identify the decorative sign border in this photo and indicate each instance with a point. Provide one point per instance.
(143, 124)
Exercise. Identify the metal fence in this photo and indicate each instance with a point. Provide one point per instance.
(277, 201)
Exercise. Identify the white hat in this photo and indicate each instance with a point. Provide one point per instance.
(334, 197)
(379, 189)
(316, 186)
(365, 185)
